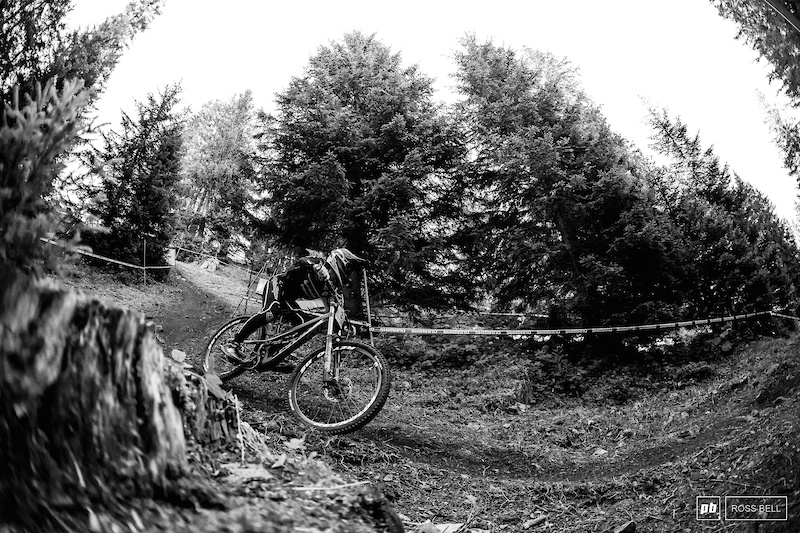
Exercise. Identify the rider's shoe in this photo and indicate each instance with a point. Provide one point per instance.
(233, 351)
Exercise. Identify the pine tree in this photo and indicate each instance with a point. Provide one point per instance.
(48, 78)
(218, 170)
(766, 31)
(740, 256)
(140, 181)
(35, 45)
(33, 137)
(361, 159)
(561, 218)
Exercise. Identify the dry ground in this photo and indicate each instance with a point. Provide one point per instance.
(480, 446)
(252, 485)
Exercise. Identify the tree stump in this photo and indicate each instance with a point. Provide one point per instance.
(85, 411)
(209, 413)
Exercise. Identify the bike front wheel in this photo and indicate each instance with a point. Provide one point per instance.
(349, 401)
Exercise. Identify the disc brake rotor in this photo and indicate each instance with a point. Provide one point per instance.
(338, 391)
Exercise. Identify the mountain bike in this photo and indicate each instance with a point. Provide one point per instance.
(335, 389)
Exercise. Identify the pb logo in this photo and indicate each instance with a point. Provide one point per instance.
(709, 508)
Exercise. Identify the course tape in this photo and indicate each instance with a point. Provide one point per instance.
(788, 317)
(576, 331)
(214, 257)
(108, 259)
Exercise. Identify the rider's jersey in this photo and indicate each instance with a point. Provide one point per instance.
(307, 279)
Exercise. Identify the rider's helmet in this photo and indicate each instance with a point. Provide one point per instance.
(343, 262)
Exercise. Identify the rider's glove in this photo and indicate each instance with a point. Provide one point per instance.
(322, 272)
(339, 297)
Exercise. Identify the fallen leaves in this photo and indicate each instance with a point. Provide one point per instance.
(296, 444)
(430, 527)
(281, 461)
(244, 473)
(214, 384)
(533, 522)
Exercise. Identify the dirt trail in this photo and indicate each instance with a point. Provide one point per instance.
(439, 458)
(184, 311)
(206, 301)
(218, 493)
(511, 464)
(189, 320)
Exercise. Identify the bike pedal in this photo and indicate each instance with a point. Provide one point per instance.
(232, 355)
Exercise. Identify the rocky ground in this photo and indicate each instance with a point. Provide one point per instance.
(513, 440)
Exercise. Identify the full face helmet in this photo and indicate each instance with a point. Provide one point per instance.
(343, 262)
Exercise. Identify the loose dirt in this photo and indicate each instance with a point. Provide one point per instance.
(456, 445)
(268, 481)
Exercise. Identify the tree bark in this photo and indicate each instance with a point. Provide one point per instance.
(209, 413)
(84, 406)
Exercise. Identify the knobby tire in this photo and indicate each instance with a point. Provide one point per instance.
(214, 356)
(305, 386)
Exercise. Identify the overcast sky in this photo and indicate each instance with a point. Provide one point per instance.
(678, 54)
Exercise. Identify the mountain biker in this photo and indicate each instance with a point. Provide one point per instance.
(309, 278)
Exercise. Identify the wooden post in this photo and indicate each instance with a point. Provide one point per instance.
(144, 259)
(369, 312)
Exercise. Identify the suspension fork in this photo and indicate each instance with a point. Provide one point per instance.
(336, 321)
(327, 361)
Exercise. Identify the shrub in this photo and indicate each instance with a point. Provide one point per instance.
(33, 138)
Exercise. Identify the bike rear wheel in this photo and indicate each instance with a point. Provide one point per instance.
(347, 403)
(254, 348)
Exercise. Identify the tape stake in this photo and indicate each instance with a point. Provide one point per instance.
(103, 258)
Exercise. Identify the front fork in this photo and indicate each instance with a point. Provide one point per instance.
(330, 366)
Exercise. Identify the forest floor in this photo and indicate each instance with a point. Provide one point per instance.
(483, 434)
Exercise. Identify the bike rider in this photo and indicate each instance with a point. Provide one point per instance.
(309, 278)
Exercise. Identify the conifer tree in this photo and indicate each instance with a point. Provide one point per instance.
(778, 42)
(218, 169)
(139, 185)
(48, 78)
(36, 46)
(561, 218)
(362, 157)
(739, 256)
(34, 133)
(766, 31)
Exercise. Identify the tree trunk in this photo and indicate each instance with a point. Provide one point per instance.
(209, 413)
(84, 407)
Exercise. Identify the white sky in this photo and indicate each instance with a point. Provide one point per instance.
(674, 53)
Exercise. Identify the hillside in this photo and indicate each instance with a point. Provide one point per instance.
(507, 442)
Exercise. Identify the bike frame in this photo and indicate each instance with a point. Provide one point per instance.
(348, 402)
(309, 329)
